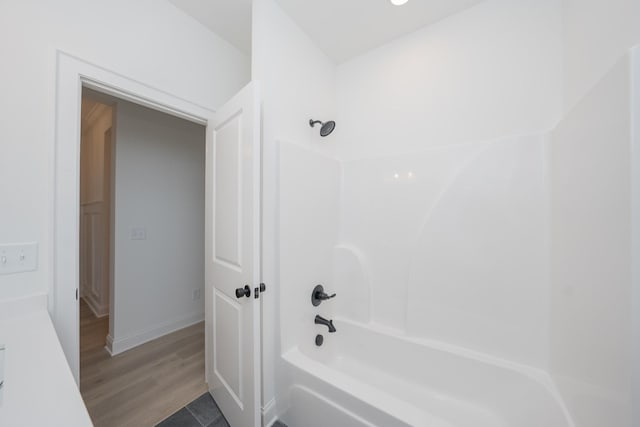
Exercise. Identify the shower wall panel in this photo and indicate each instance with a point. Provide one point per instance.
(451, 244)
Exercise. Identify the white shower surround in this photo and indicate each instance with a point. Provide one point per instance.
(402, 239)
(419, 233)
(487, 74)
(454, 243)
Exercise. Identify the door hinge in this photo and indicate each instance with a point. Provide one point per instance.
(76, 294)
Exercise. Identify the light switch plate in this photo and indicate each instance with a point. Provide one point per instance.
(138, 233)
(18, 258)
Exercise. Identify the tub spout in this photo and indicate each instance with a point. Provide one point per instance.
(328, 323)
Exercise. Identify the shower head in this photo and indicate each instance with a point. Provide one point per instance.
(327, 127)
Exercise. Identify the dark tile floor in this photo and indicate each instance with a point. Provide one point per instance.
(202, 412)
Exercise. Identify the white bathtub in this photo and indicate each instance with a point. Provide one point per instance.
(364, 376)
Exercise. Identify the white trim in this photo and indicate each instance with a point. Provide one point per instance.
(635, 233)
(91, 202)
(97, 310)
(269, 416)
(119, 345)
(72, 74)
(109, 345)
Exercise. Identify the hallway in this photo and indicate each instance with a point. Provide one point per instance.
(144, 385)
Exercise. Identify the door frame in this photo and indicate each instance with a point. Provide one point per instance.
(72, 74)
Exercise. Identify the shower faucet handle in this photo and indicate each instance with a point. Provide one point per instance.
(318, 295)
(324, 296)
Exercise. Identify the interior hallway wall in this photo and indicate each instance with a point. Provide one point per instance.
(149, 40)
(158, 270)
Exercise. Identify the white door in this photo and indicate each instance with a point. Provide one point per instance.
(233, 258)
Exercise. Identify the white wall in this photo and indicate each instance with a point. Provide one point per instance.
(159, 187)
(148, 40)
(597, 34)
(492, 71)
(297, 82)
(590, 161)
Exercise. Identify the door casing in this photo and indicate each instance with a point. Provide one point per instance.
(72, 75)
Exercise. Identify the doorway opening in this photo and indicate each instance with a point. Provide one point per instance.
(232, 227)
(142, 204)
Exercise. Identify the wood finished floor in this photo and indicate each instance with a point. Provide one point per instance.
(144, 385)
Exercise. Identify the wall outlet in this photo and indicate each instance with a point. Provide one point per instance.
(18, 258)
(196, 294)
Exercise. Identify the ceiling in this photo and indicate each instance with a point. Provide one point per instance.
(346, 28)
(230, 19)
(341, 28)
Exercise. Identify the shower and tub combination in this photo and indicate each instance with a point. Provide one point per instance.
(436, 310)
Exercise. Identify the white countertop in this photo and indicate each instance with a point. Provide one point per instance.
(39, 389)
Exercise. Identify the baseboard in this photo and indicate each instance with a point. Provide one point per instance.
(118, 345)
(98, 310)
(269, 413)
(109, 345)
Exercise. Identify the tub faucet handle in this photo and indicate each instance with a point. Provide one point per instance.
(318, 295)
(323, 296)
